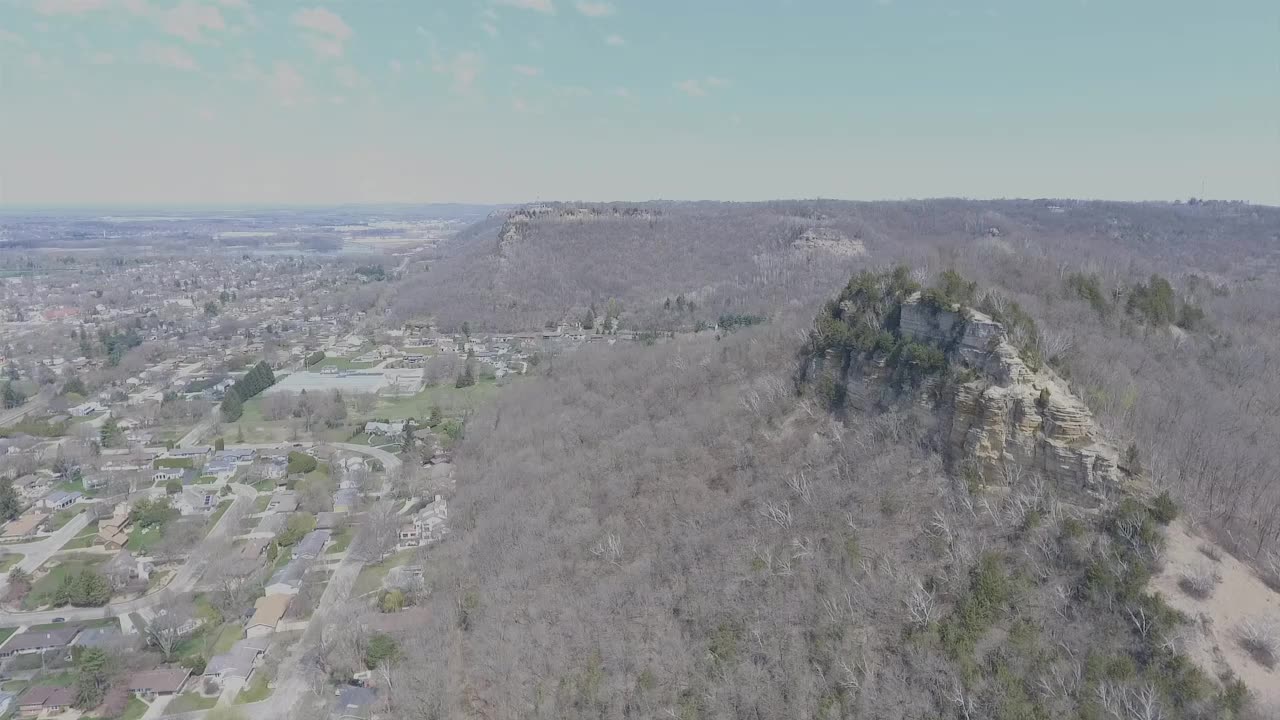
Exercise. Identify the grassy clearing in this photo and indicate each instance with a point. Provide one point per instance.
(261, 502)
(9, 560)
(450, 399)
(134, 710)
(189, 702)
(6, 633)
(228, 634)
(255, 691)
(43, 589)
(341, 364)
(219, 512)
(341, 541)
(371, 576)
(141, 540)
(60, 518)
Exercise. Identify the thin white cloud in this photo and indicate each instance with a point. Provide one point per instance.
(68, 7)
(489, 29)
(347, 76)
(519, 105)
(170, 56)
(700, 88)
(462, 69)
(621, 92)
(614, 40)
(327, 32)
(596, 9)
(527, 70)
(572, 91)
(692, 88)
(286, 83)
(8, 37)
(102, 58)
(542, 6)
(395, 65)
(190, 20)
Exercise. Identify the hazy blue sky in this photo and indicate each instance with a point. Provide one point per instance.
(268, 101)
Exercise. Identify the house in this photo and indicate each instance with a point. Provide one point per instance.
(238, 662)
(253, 548)
(25, 524)
(354, 702)
(198, 453)
(126, 567)
(221, 468)
(428, 524)
(276, 468)
(45, 699)
(186, 475)
(267, 612)
(34, 641)
(195, 501)
(86, 409)
(161, 681)
(113, 531)
(285, 581)
(59, 500)
(239, 456)
(311, 545)
(284, 501)
(385, 429)
(99, 637)
(93, 482)
(345, 500)
(330, 520)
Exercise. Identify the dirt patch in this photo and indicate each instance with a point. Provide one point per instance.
(1216, 639)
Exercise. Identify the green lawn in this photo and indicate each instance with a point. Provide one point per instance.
(81, 542)
(15, 686)
(228, 634)
(342, 540)
(134, 710)
(6, 633)
(255, 691)
(60, 518)
(141, 540)
(371, 576)
(261, 502)
(83, 625)
(44, 588)
(189, 702)
(9, 560)
(217, 514)
(450, 399)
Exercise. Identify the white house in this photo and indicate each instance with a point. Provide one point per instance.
(195, 501)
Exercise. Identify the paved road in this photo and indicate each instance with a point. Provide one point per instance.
(291, 686)
(39, 402)
(36, 553)
(183, 581)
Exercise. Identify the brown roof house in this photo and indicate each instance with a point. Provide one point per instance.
(47, 699)
(266, 615)
(113, 531)
(161, 681)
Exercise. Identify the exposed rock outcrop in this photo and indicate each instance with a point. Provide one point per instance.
(1009, 423)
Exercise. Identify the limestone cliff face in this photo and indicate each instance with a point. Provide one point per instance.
(1001, 421)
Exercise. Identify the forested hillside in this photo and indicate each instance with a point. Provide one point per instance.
(684, 531)
(678, 533)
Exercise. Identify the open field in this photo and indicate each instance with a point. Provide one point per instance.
(370, 578)
(189, 702)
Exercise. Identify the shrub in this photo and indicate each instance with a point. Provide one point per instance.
(1199, 583)
(1259, 638)
(1164, 510)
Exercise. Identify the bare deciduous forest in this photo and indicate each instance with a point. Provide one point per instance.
(679, 531)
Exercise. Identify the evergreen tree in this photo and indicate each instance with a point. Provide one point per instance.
(10, 506)
(93, 677)
(232, 406)
(12, 397)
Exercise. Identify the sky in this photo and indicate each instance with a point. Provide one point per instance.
(223, 102)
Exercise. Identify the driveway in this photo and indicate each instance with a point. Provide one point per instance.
(36, 553)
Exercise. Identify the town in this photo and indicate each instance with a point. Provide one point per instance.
(204, 456)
